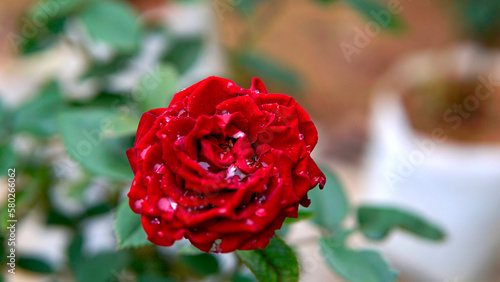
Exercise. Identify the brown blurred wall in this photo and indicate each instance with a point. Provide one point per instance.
(307, 36)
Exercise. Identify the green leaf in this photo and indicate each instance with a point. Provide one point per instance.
(480, 19)
(103, 69)
(91, 138)
(158, 87)
(267, 69)
(377, 222)
(114, 23)
(356, 265)
(75, 254)
(330, 204)
(56, 9)
(128, 228)
(303, 215)
(189, 250)
(102, 267)
(34, 264)
(8, 157)
(370, 10)
(151, 277)
(183, 52)
(239, 277)
(202, 264)
(277, 262)
(247, 7)
(38, 116)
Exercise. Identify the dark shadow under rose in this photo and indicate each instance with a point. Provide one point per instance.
(222, 166)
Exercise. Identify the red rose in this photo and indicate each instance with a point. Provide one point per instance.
(222, 166)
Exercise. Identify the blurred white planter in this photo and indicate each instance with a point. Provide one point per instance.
(455, 185)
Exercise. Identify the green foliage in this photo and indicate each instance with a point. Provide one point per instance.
(113, 23)
(268, 70)
(93, 138)
(128, 228)
(355, 265)
(330, 204)
(183, 52)
(202, 264)
(277, 262)
(247, 7)
(37, 117)
(34, 264)
(480, 19)
(369, 8)
(377, 222)
(102, 267)
(158, 87)
(303, 215)
(103, 69)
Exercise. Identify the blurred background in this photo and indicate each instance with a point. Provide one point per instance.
(404, 94)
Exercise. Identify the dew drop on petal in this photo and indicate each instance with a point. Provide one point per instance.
(159, 168)
(204, 165)
(155, 221)
(144, 152)
(159, 233)
(261, 199)
(138, 204)
(239, 134)
(181, 112)
(222, 211)
(166, 205)
(301, 136)
(249, 222)
(261, 212)
(308, 148)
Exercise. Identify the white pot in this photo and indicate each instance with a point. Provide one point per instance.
(455, 185)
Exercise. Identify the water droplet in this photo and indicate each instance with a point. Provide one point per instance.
(249, 222)
(256, 91)
(224, 112)
(159, 233)
(308, 148)
(144, 152)
(233, 170)
(159, 168)
(301, 136)
(239, 134)
(181, 112)
(138, 204)
(261, 212)
(264, 164)
(163, 136)
(167, 205)
(204, 165)
(155, 221)
(222, 211)
(261, 199)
